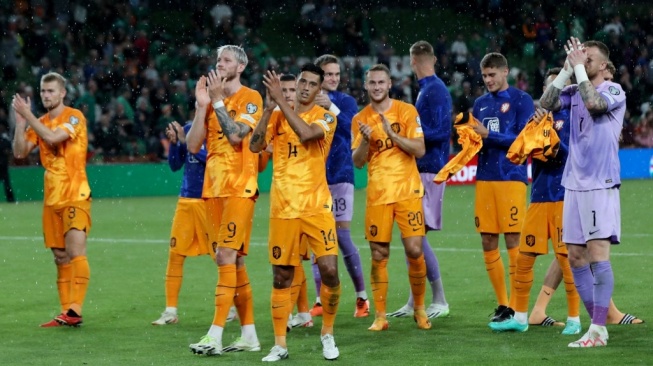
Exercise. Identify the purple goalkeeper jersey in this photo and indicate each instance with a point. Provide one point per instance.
(593, 161)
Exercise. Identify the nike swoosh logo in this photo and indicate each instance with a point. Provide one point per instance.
(338, 215)
(483, 108)
(511, 225)
(547, 293)
(329, 248)
(415, 228)
(593, 232)
(280, 133)
(277, 307)
(227, 241)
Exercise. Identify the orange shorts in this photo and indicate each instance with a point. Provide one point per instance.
(500, 207)
(379, 220)
(58, 219)
(188, 236)
(289, 238)
(229, 222)
(543, 221)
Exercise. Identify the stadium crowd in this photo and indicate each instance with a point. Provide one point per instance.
(132, 78)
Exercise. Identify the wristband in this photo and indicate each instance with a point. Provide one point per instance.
(218, 104)
(581, 74)
(561, 80)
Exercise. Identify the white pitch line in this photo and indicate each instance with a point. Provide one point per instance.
(263, 243)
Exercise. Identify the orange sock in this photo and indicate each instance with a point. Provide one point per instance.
(302, 297)
(513, 254)
(379, 279)
(573, 299)
(279, 303)
(296, 286)
(330, 297)
(224, 293)
(174, 276)
(417, 278)
(243, 299)
(81, 274)
(496, 272)
(64, 278)
(523, 282)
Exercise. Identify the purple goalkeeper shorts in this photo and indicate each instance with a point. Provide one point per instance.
(432, 201)
(591, 215)
(343, 201)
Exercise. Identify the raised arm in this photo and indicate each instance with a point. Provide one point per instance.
(233, 130)
(52, 137)
(359, 155)
(412, 146)
(257, 143)
(21, 145)
(197, 133)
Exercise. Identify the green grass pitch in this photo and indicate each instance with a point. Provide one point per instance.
(128, 249)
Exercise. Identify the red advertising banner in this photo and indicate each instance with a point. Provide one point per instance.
(467, 175)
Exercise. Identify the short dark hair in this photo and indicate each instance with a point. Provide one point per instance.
(494, 59)
(288, 77)
(326, 59)
(605, 51)
(421, 48)
(311, 67)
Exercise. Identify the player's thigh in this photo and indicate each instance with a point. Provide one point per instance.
(319, 231)
(600, 214)
(378, 223)
(432, 201)
(410, 217)
(485, 208)
(511, 205)
(188, 235)
(52, 228)
(76, 215)
(285, 242)
(343, 201)
(556, 228)
(236, 225)
(535, 231)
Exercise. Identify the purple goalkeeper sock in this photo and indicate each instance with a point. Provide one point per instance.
(432, 265)
(352, 259)
(603, 286)
(316, 276)
(584, 281)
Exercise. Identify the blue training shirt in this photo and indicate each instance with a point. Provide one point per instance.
(547, 176)
(340, 165)
(435, 107)
(504, 114)
(194, 166)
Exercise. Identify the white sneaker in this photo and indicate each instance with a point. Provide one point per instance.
(596, 336)
(167, 317)
(301, 320)
(329, 349)
(242, 344)
(437, 311)
(208, 346)
(277, 353)
(233, 314)
(404, 311)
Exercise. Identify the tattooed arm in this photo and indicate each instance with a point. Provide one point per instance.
(257, 143)
(551, 99)
(594, 102)
(234, 131)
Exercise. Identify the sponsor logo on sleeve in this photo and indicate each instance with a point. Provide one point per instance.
(328, 118)
(614, 90)
(73, 120)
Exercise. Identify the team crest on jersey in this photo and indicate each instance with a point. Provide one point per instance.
(492, 124)
(395, 127)
(558, 124)
(73, 120)
(276, 252)
(505, 107)
(613, 90)
(173, 242)
(373, 230)
(328, 118)
(232, 114)
(251, 108)
(530, 240)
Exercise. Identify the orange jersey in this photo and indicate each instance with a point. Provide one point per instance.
(392, 174)
(232, 171)
(65, 164)
(299, 186)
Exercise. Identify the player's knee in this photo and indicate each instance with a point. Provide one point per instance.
(60, 256)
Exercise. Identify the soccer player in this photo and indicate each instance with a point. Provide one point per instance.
(591, 215)
(61, 137)
(500, 202)
(225, 116)
(543, 222)
(300, 201)
(435, 109)
(389, 137)
(553, 277)
(188, 236)
(340, 176)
